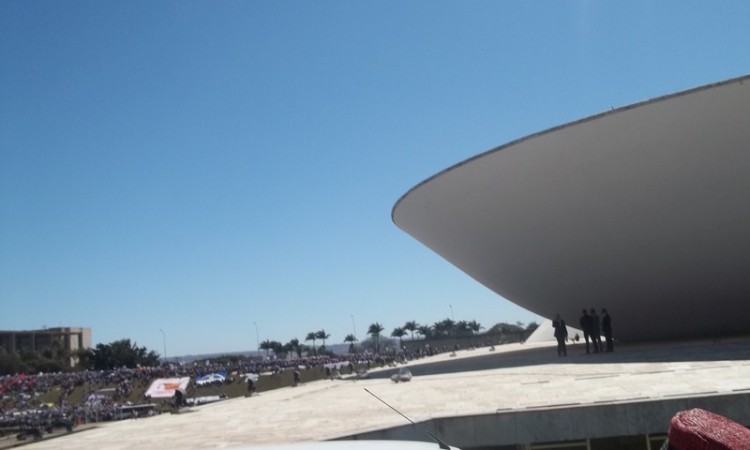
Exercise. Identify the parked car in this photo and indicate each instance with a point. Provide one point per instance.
(403, 375)
(211, 378)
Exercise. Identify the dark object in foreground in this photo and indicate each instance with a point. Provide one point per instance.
(698, 429)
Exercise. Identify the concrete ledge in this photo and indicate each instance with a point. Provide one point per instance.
(565, 422)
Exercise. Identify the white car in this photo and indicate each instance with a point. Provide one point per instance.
(403, 375)
(211, 378)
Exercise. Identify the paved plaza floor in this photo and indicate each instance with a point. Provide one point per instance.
(513, 377)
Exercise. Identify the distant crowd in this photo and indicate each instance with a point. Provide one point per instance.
(107, 391)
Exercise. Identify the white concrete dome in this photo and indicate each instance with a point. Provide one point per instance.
(643, 210)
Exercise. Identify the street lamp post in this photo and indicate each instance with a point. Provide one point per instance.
(453, 317)
(257, 335)
(354, 327)
(164, 340)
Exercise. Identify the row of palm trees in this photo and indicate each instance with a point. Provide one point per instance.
(294, 346)
(441, 329)
(320, 334)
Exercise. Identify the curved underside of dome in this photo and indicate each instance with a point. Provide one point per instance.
(643, 210)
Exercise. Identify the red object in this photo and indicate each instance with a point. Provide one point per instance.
(698, 429)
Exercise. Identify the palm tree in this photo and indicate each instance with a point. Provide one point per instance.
(462, 328)
(444, 327)
(60, 352)
(374, 331)
(266, 345)
(84, 358)
(311, 336)
(351, 339)
(474, 326)
(277, 347)
(322, 336)
(293, 347)
(411, 326)
(425, 330)
(399, 332)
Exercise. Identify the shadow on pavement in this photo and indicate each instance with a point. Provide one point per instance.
(734, 349)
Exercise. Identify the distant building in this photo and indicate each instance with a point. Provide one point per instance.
(65, 339)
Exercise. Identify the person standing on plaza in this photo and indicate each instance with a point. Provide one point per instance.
(596, 332)
(561, 334)
(607, 329)
(586, 325)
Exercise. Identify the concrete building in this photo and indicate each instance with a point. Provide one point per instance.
(642, 210)
(66, 339)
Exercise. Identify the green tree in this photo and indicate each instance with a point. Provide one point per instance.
(411, 326)
(506, 329)
(426, 331)
(11, 363)
(374, 330)
(462, 328)
(57, 351)
(351, 339)
(311, 336)
(85, 358)
(272, 346)
(294, 346)
(444, 328)
(266, 345)
(43, 361)
(509, 328)
(399, 332)
(121, 353)
(475, 326)
(321, 334)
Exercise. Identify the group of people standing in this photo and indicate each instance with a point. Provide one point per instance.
(592, 326)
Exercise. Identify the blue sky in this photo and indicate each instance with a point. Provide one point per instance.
(202, 167)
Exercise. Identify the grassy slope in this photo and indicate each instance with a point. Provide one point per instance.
(232, 388)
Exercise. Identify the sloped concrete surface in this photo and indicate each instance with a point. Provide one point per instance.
(513, 380)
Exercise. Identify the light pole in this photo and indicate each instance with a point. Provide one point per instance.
(257, 335)
(354, 334)
(164, 340)
(453, 317)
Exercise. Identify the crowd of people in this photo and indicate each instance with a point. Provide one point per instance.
(592, 325)
(31, 405)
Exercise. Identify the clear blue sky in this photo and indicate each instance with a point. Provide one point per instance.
(198, 167)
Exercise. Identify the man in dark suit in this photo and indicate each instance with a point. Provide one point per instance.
(561, 334)
(586, 326)
(607, 329)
